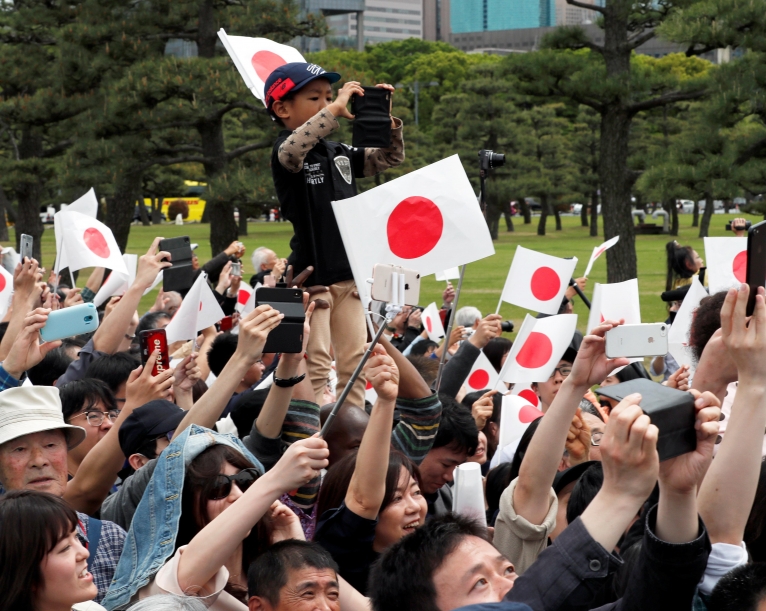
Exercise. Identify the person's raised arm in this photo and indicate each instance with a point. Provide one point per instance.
(27, 351)
(215, 543)
(367, 487)
(110, 334)
(27, 290)
(735, 471)
(253, 331)
(185, 375)
(411, 383)
(93, 284)
(98, 471)
(531, 498)
(715, 370)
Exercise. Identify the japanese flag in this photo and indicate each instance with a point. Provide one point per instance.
(615, 301)
(369, 393)
(526, 392)
(432, 323)
(537, 281)
(117, 283)
(539, 345)
(199, 310)
(243, 296)
(482, 375)
(598, 251)
(257, 58)
(86, 242)
(448, 274)
(88, 205)
(6, 291)
(726, 263)
(516, 414)
(678, 337)
(427, 220)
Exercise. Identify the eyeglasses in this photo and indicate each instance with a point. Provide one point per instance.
(222, 486)
(564, 371)
(95, 417)
(595, 438)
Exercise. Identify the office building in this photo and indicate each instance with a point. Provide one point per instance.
(384, 21)
(491, 15)
(566, 14)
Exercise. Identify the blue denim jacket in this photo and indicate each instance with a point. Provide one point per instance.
(151, 539)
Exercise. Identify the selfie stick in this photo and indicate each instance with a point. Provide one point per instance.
(448, 332)
(392, 309)
(577, 289)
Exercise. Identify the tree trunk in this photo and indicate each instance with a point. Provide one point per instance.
(508, 221)
(594, 213)
(28, 192)
(242, 231)
(543, 215)
(705, 225)
(525, 211)
(670, 206)
(4, 205)
(223, 229)
(493, 221)
(696, 217)
(156, 211)
(584, 216)
(558, 217)
(143, 213)
(119, 213)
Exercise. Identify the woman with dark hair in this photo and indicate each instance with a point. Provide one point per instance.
(371, 499)
(683, 264)
(496, 350)
(44, 564)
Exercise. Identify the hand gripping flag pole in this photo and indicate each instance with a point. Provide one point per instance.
(448, 331)
(392, 309)
(578, 290)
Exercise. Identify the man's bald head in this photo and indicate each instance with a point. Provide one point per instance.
(346, 431)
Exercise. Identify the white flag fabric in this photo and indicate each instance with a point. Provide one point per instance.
(526, 392)
(199, 310)
(539, 346)
(482, 375)
(615, 301)
(257, 58)
(369, 393)
(6, 291)
(468, 492)
(117, 283)
(598, 251)
(243, 296)
(432, 323)
(678, 337)
(452, 273)
(87, 205)
(86, 242)
(537, 281)
(516, 414)
(726, 263)
(427, 220)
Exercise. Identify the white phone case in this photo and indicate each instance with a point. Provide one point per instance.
(633, 341)
(381, 284)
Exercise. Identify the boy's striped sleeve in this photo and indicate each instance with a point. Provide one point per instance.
(418, 425)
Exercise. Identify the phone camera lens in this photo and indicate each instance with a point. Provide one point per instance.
(662, 328)
(88, 318)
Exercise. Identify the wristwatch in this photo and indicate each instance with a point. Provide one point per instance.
(288, 382)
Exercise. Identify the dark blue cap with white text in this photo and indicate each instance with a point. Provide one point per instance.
(291, 77)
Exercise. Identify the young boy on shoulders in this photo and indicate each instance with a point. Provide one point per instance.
(309, 173)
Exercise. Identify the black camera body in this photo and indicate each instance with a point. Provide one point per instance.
(507, 326)
(489, 160)
(747, 225)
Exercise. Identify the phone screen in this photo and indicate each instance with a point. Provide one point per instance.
(756, 262)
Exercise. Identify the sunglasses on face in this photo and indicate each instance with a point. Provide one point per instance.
(222, 485)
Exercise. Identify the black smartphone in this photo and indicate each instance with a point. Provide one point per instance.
(372, 118)
(180, 276)
(288, 335)
(747, 225)
(756, 262)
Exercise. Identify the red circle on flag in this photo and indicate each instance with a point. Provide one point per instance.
(536, 351)
(529, 414)
(242, 296)
(739, 266)
(200, 306)
(96, 242)
(545, 284)
(478, 379)
(3, 283)
(368, 386)
(414, 227)
(429, 326)
(530, 395)
(265, 62)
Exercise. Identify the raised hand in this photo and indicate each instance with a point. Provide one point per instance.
(381, 371)
(591, 365)
(448, 296)
(301, 462)
(73, 298)
(151, 264)
(283, 524)
(27, 351)
(578, 440)
(143, 387)
(224, 279)
(186, 373)
(253, 331)
(489, 327)
(679, 378)
(338, 107)
(481, 410)
(745, 340)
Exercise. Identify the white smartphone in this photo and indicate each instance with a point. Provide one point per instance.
(382, 287)
(25, 246)
(633, 341)
(236, 269)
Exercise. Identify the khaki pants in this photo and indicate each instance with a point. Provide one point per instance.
(343, 328)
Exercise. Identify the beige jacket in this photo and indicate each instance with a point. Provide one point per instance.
(519, 540)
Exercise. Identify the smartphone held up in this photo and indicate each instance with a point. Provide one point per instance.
(151, 340)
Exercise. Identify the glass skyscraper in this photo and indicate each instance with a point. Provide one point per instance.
(487, 15)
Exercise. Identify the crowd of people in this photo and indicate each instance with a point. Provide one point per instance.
(207, 484)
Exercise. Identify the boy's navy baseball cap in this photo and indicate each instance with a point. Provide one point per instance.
(293, 76)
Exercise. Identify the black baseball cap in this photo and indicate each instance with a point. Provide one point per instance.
(291, 77)
(147, 422)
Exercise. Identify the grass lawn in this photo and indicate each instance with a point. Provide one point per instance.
(484, 279)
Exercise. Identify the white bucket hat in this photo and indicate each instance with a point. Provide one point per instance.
(33, 409)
